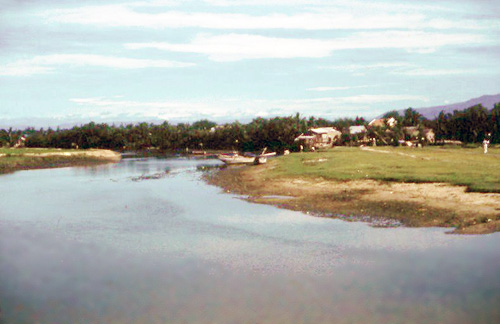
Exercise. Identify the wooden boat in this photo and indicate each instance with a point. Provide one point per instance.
(235, 158)
(247, 158)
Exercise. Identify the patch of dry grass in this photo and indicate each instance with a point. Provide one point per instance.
(25, 159)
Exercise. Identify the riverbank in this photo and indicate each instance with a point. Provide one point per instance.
(12, 160)
(387, 186)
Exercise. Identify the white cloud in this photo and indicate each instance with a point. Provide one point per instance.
(155, 3)
(435, 72)
(106, 61)
(372, 66)
(359, 99)
(23, 69)
(336, 88)
(234, 47)
(402, 68)
(167, 109)
(47, 63)
(380, 98)
(234, 109)
(387, 6)
(409, 40)
(346, 16)
(233, 3)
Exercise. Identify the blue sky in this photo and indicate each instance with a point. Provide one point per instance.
(75, 61)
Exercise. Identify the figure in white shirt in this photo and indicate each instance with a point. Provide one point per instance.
(485, 145)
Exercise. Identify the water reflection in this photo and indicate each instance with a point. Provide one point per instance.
(91, 245)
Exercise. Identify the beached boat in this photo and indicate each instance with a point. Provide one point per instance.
(235, 158)
(247, 158)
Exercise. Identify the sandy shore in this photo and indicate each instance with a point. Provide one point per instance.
(52, 159)
(106, 155)
(411, 204)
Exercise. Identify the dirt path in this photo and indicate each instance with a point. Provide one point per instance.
(364, 148)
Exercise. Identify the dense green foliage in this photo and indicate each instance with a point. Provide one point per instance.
(277, 134)
(469, 126)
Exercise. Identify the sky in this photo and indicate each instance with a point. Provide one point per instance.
(75, 61)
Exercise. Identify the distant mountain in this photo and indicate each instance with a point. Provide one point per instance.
(488, 101)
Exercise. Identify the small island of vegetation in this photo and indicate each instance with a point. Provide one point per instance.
(14, 159)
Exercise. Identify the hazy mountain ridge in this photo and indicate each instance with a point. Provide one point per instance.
(488, 101)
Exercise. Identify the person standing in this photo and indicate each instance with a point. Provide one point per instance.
(485, 145)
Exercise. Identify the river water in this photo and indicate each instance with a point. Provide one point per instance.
(147, 241)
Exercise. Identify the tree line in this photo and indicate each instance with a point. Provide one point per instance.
(278, 133)
(471, 125)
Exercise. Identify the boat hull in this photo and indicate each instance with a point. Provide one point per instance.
(238, 159)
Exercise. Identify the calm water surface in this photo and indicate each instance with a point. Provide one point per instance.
(147, 241)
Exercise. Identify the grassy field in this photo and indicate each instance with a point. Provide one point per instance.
(37, 158)
(458, 166)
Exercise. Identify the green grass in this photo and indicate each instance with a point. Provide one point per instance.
(458, 166)
(21, 151)
(16, 159)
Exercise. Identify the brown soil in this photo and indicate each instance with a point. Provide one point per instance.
(411, 204)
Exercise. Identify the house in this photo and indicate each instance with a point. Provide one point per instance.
(20, 142)
(217, 127)
(355, 130)
(429, 135)
(359, 133)
(381, 122)
(412, 133)
(322, 137)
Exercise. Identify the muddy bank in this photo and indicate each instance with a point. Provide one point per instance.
(52, 159)
(382, 203)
